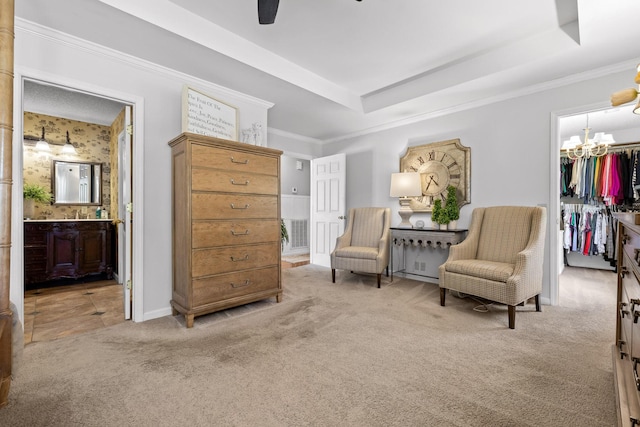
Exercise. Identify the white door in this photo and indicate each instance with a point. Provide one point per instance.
(124, 211)
(328, 183)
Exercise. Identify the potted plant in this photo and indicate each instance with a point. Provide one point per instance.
(284, 234)
(34, 193)
(439, 215)
(451, 206)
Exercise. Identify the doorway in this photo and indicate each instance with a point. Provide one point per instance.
(622, 124)
(53, 104)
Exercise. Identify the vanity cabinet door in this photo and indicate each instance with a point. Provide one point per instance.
(93, 251)
(63, 253)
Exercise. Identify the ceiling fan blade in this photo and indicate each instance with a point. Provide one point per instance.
(267, 10)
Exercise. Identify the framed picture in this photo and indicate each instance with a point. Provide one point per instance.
(205, 115)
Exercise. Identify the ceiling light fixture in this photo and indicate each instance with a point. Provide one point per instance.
(628, 95)
(43, 145)
(68, 147)
(596, 147)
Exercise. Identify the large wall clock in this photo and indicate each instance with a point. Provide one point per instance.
(440, 164)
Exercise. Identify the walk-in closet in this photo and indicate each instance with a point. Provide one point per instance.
(597, 179)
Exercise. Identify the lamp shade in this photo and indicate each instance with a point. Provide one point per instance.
(405, 184)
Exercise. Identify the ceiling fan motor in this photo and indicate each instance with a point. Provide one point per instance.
(267, 10)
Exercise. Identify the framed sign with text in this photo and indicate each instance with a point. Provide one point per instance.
(208, 116)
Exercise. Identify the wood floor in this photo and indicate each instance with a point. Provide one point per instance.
(56, 312)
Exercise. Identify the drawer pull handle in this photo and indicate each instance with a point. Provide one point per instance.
(623, 355)
(239, 207)
(634, 421)
(636, 378)
(240, 234)
(246, 257)
(623, 271)
(241, 285)
(242, 162)
(239, 183)
(623, 312)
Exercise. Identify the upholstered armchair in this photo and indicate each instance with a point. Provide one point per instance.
(364, 246)
(501, 259)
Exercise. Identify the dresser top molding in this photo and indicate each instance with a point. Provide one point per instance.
(212, 141)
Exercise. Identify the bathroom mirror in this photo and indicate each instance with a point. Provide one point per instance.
(76, 183)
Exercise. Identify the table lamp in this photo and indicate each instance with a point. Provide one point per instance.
(405, 185)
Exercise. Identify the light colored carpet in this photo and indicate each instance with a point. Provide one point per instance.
(343, 354)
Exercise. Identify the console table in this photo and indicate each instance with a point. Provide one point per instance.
(432, 243)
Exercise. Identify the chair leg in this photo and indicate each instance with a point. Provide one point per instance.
(379, 277)
(443, 294)
(387, 271)
(512, 317)
(333, 275)
(538, 308)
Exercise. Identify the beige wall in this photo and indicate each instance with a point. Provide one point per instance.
(92, 143)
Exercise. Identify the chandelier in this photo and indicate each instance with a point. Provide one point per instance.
(628, 95)
(595, 147)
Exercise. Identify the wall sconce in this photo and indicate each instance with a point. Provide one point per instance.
(43, 145)
(405, 185)
(68, 147)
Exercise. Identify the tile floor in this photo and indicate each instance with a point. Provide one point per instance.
(55, 312)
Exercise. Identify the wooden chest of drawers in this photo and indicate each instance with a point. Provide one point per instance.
(226, 224)
(626, 351)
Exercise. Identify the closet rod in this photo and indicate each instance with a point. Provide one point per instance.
(613, 148)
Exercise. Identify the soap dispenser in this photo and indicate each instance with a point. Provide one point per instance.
(98, 212)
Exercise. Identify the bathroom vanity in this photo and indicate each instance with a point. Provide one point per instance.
(55, 249)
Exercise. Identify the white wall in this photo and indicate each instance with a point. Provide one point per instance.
(291, 177)
(39, 52)
(510, 151)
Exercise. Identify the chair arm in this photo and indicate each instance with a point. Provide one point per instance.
(468, 248)
(528, 270)
(343, 241)
(464, 250)
(383, 247)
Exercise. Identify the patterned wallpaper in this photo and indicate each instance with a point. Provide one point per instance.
(116, 127)
(92, 143)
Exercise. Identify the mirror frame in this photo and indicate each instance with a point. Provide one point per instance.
(53, 183)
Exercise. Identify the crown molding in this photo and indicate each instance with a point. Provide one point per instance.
(529, 90)
(295, 136)
(47, 33)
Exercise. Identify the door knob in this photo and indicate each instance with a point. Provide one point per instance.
(117, 221)
(342, 217)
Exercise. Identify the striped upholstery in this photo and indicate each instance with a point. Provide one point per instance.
(368, 226)
(502, 257)
(364, 246)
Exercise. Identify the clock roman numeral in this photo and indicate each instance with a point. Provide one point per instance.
(454, 176)
(413, 168)
(421, 160)
(432, 155)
